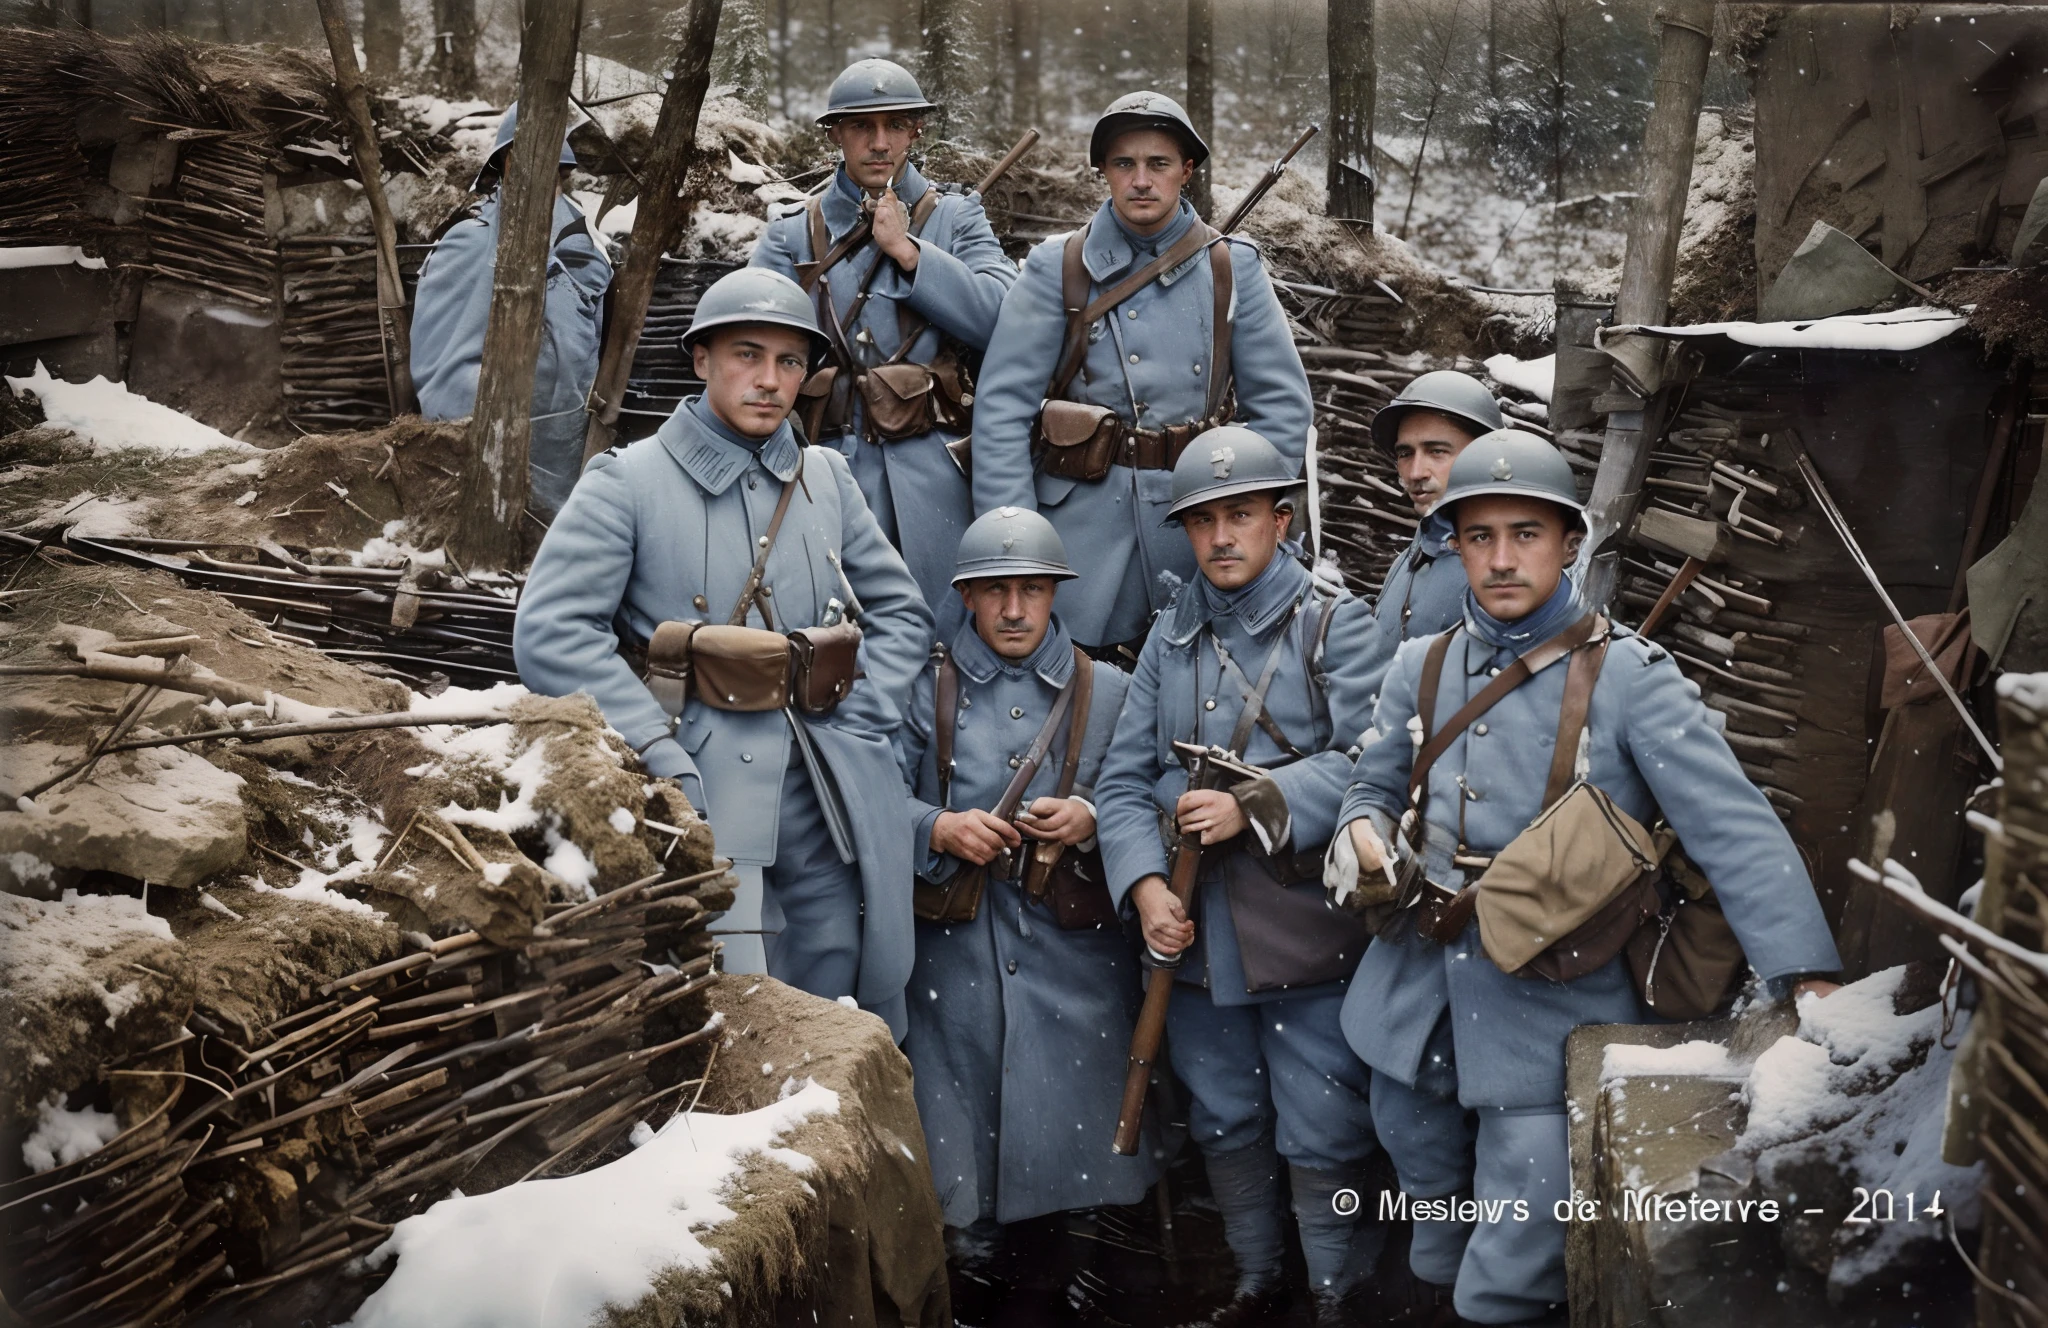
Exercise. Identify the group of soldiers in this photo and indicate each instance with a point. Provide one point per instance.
(1135, 669)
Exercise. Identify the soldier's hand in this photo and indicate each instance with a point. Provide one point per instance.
(1211, 813)
(973, 836)
(892, 230)
(1367, 844)
(1068, 821)
(1161, 918)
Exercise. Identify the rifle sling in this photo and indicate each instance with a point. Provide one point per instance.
(1525, 667)
(752, 590)
(1077, 728)
(946, 702)
(1254, 711)
(1074, 287)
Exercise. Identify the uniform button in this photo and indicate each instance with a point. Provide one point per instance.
(748, 757)
(752, 483)
(1493, 673)
(967, 703)
(1131, 314)
(1016, 712)
(768, 591)
(700, 603)
(1198, 368)
(1015, 762)
(1479, 729)
(1012, 966)
(1209, 704)
(1134, 359)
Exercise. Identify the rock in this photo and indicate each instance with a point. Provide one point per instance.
(160, 814)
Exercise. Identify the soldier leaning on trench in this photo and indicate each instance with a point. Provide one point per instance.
(453, 307)
(713, 554)
(1131, 385)
(1427, 991)
(1025, 990)
(911, 302)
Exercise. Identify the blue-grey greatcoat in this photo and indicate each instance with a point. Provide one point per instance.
(1019, 1031)
(1652, 747)
(914, 486)
(1313, 1089)
(671, 520)
(453, 306)
(1424, 594)
(1149, 362)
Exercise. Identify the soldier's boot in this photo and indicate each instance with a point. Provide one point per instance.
(1340, 1241)
(1246, 1186)
(978, 1288)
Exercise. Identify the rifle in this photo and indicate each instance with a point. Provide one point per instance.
(1267, 181)
(1151, 1027)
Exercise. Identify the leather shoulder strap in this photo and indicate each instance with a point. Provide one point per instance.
(1079, 319)
(1583, 673)
(910, 324)
(1027, 769)
(765, 546)
(1534, 661)
(1077, 726)
(1222, 277)
(1432, 678)
(946, 708)
(821, 242)
(1074, 299)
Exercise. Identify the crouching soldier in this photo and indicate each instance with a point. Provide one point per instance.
(453, 307)
(725, 595)
(1117, 345)
(907, 279)
(1025, 989)
(1253, 660)
(1533, 701)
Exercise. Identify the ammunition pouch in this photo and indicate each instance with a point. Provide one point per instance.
(824, 662)
(1077, 441)
(1073, 884)
(898, 400)
(748, 669)
(821, 404)
(739, 668)
(1289, 937)
(956, 900)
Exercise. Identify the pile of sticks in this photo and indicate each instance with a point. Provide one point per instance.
(46, 173)
(661, 376)
(212, 234)
(287, 1151)
(333, 354)
(398, 622)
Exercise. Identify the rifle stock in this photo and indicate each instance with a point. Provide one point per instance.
(1010, 158)
(1266, 182)
(1151, 1027)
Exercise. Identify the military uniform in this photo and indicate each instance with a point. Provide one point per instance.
(1151, 361)
(1650, 745)
(1253, 1026)
(452, 309)
(664, 531)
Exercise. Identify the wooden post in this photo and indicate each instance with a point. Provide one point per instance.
(383, 36)
(1202, 94)
(662, 212)
(1354, 93)
(392, 321)
(455, 46)
(494, 480)
(1646, 269)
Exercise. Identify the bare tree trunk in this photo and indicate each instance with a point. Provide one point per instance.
(1493, 8)
(383, 36)
(494, 480)
(662, 213)
(1647, 266)
(455, 46)
(1202, 92)
(392, 324)
(1025, 31)
(782, 17)
(1354, 92)
(1560, 50)
(950, 66)
(834, 49)
(1415, 171)
(905, 37)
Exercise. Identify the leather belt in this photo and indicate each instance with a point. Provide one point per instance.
(1157, 449)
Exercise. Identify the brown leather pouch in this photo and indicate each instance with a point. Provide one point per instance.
(1077, 441)
(814, 402)
(898, 398)
(740, 668)
(1687, 961)
(958, 900)
(1071, 883)
(825, 661)
(952, 393)
(666, 668)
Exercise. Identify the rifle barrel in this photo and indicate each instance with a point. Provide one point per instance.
(1266, 182)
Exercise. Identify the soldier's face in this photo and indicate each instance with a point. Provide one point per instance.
(751, 374)
(1011, 613)
(1425, 445)
(875, 146)
(1146, 169)
(1235, 538)
(1515, 550)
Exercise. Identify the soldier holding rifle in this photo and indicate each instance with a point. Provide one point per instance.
(1534, 704)
(1025, 988)
(907, 278)
(1254, 660)
(1117, 345)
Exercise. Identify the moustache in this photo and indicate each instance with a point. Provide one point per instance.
(1226, 556)
(1013, 624)
(1504, 581)
(762, 399)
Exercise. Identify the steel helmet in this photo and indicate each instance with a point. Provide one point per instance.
(755, 295)
(1227, 460)
(1447, 392)
(1009, 541)
(873, 85)
(1510, 461)
(1145, 110)
(494, 164)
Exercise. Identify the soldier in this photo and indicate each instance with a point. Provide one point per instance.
(911, 281)
(723, 548)
(453, 306)
(1253, 1024)
(1173, 333)
(1025, 990)
(1648, 743)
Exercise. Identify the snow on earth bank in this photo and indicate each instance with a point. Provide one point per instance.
(113, 418)
(554, 1253)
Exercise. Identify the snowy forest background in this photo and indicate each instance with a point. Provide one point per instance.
(1506, 131)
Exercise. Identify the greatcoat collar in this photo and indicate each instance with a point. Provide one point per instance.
(712, 453)
(1053, 661)
(843, 200)
(1258, 606)
(1108, 251)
